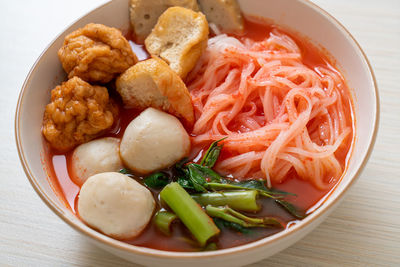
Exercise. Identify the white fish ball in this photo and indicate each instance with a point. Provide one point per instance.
(115, 204)
(97, 156)
(152, 141)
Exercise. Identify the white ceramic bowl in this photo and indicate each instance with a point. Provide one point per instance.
(299, 15)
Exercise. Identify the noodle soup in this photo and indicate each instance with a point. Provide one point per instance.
(285, 113)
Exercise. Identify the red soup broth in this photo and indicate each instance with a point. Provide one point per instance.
(58, 166)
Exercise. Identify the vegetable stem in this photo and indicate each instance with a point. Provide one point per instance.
(163, 221)
(219, 186)
(211, 247)
(223, 214)
(189, 212)
(231, 215)
(239, 200)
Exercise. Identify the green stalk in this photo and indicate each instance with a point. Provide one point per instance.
(266, 221)
(163, 221)
(218, 186)
(211, 247)
(222, 214)
(239, 200)
(189, 212)
(231, 215)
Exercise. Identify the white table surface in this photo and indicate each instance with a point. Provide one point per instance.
(363, 231)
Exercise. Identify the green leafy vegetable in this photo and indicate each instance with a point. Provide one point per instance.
(124, 171)
(207, 172)
(258, 185)
(223, 214)
(292, 209)
(194, 177)
(187, 184)
(212, 154)
(231, 215)
(197, 178)
(156, 180)
(201, 178)
(179, 167)
(231, 225)
(277, 196)
(253, 184)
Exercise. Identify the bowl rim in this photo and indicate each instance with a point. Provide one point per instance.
(105, 240)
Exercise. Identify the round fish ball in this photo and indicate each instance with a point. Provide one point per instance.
(97, 156)
(152, 141)
(115, 204)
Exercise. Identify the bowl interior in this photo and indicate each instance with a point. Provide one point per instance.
(300, 16)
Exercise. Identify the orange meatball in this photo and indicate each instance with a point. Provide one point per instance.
(96, 53)
(78, 112)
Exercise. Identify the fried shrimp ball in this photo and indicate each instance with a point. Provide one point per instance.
(77, 113)
(96, 53)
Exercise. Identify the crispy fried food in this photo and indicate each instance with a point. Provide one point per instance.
(96, 53)
(144, 14)
(77, 113)
(152, 83)
(179, 38)
(225, 14)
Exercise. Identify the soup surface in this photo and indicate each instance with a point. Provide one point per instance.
(308, 196)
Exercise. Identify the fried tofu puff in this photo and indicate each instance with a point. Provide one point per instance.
(152, 141)
(152, 83)
(97, 156)
(179, 37)
(145, 13)
(115, 204)
(225, 14)
(96, 53)
(78, 112)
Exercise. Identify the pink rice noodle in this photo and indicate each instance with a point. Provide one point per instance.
(278, 114)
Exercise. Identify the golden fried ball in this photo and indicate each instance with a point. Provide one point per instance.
(96, 53)
(77, 113)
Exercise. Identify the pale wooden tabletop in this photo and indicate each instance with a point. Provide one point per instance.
(363, 231)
